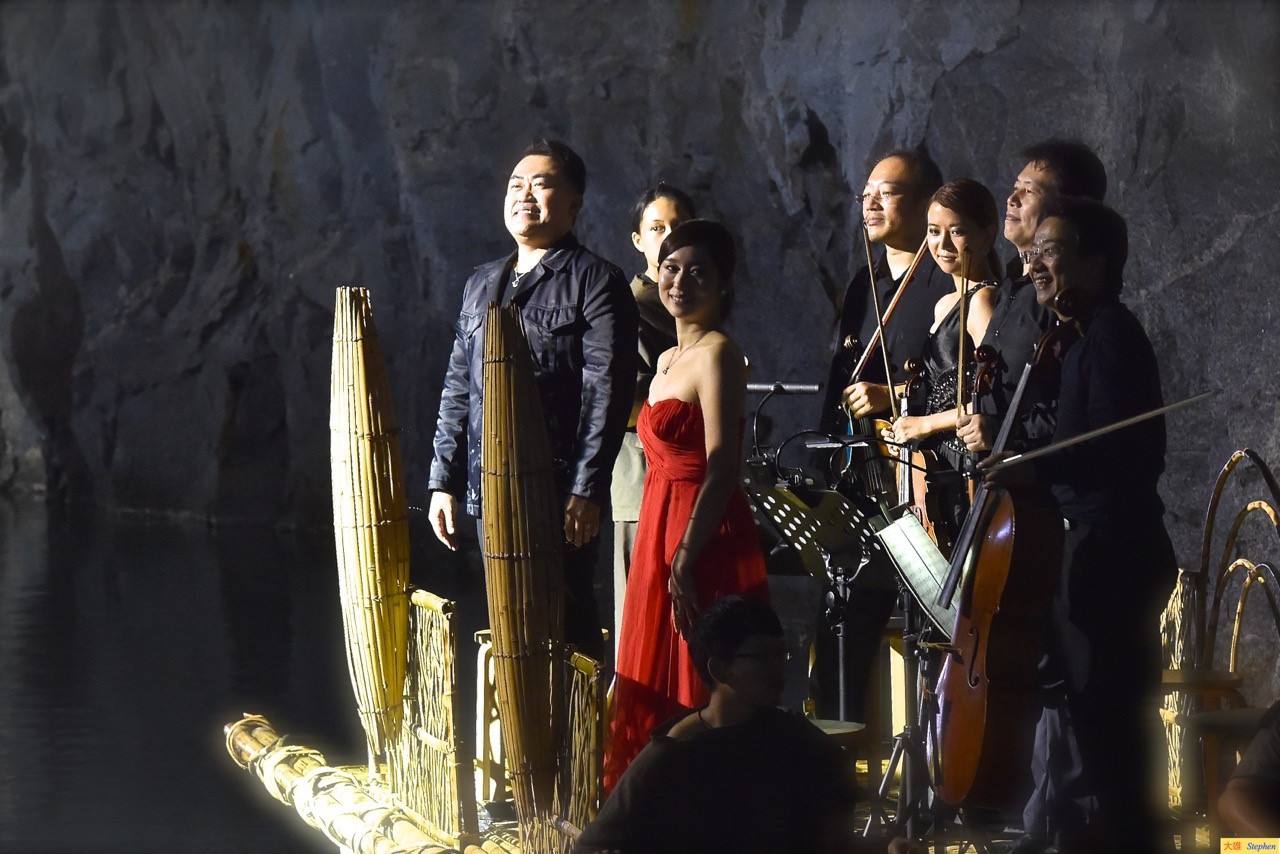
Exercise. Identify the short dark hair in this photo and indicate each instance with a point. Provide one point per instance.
(974, 202)
(718, 242)
(1101, 232)
(565, 158)
(723, 628)
(925, 174)
(1077, 171)
(662, 190)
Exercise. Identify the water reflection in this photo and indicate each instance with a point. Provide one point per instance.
(125, 647)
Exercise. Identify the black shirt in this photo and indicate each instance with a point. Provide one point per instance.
(770, 784)
(1016, 326)
(1108, 375)
(906, 330)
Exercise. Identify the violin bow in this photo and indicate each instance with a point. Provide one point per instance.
(880, 320)
(888, 312)
(1099, 431)
(964, 328)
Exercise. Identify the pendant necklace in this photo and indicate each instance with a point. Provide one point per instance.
(681, 351)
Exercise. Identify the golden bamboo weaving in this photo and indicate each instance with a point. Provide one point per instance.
(523, 533)
(370, 520)
(429, 766)
(333, 800)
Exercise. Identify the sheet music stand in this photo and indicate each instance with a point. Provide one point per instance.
(835, 542)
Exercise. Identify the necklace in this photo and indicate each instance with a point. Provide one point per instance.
(680, 351)
(703, 720)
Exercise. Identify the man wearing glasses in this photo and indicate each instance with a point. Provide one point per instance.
(1054, 168)
(1090, 763)
(895, 206)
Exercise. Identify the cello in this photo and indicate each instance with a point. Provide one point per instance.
(1009, 554)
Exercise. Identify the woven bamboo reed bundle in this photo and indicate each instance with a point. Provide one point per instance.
(333, 800)
(429, 767)
(581, 782)
(370, 520)
(523, 531)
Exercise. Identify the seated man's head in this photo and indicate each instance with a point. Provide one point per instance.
(738, 648)
(544, 193)
(1080, 246)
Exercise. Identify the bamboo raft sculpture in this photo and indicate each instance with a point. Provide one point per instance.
(417, 794)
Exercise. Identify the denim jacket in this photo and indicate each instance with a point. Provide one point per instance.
(581, 321)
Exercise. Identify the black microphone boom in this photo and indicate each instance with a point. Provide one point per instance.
(784, 388)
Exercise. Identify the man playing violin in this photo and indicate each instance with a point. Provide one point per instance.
(1054, 168)
(1091, 766)
(895, 204)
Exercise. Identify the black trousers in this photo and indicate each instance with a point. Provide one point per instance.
(1095, 773)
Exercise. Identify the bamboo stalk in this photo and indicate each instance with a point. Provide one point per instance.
(370, 522)
(522, 568)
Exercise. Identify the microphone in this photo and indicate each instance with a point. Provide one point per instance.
(784, 388)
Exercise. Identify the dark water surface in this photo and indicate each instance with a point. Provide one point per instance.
(125, 647)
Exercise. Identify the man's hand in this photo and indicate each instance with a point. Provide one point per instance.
(865, 398)
(443, 514)
(1023, 474)
(978, 432)
(581, 520)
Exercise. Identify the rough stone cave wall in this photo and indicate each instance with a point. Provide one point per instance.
(184, 184)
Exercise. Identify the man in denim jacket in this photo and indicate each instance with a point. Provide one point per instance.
(581, 322)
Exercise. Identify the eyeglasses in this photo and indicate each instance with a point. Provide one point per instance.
(1048, 253)
(881, 195)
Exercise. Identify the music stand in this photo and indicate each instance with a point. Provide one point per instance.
(922, 570)
(835, 542)
(921, 566)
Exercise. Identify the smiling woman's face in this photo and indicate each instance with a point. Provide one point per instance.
(951, 236)
(689, 284)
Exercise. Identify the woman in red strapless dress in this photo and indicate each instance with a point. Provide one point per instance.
(696, 539)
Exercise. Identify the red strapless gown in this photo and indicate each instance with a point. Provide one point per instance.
(656, 678)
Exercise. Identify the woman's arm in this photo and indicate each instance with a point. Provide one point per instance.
(910, 427)
(721, 390)
(981, 306)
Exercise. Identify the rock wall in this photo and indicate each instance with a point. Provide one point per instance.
(183, 185)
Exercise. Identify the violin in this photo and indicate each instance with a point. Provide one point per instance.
(1009, 557)
(987, 362)
(918, 470)
(871, 466)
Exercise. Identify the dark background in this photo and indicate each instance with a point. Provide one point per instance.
(184, 184)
